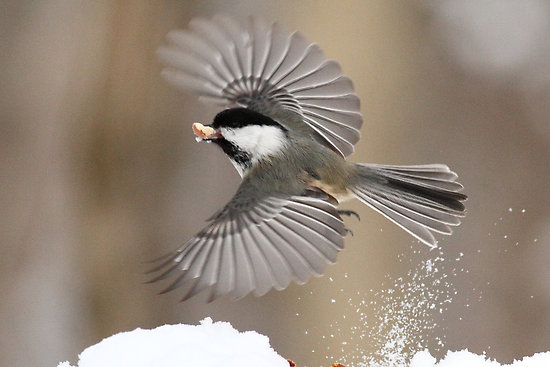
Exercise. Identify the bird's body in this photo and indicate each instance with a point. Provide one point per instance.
(300, 162)
(291, 120)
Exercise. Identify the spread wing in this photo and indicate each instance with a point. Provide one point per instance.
(260, 66)
(258, 245)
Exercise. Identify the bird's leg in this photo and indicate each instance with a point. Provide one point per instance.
(349, 213)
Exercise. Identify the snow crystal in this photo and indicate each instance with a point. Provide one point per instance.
(207, 345)
(465, 358)
(396, 321)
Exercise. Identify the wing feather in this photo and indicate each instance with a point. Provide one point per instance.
(263, 275)
(262, 67)
(280, 43)
(213, 33)
(261, 45)
(311, 63)
(256, 247)
(190, 65)
(241, 46)
(192, 44)
(226, 276)
(210, 270)
(298, 267)
(244, 281)
(182, 80)
(336, 103)
(316, 248)
(296, 52)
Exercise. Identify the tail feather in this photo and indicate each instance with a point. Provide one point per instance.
(420, 199)
(430, 179)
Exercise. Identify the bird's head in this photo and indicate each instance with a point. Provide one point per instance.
(246, 136)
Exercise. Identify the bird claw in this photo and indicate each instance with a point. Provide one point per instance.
(348, 231)
(349, 213)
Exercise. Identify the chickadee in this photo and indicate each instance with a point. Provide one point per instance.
(290, 119)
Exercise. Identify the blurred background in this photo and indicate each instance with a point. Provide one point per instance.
(100, 173)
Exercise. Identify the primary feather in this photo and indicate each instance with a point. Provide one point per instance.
(261, 67)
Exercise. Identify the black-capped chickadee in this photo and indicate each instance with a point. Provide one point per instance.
(290, 119)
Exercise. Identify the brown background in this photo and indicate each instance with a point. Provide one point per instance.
(100, 172)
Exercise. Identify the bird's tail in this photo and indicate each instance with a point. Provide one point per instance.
(420, 199)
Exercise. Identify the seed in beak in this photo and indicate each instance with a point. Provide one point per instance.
(203, 132)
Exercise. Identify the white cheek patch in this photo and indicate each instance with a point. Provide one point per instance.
(259, 141)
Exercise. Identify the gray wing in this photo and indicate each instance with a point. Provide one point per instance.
(258, 246)
(262, 67)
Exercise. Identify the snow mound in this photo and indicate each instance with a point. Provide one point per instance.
(207, 345)
(464, 358)
(219, 344)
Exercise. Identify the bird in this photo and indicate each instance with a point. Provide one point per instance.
(288, 119)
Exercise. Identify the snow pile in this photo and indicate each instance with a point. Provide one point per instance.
(206, 345)
(465, 358)
(220, 345)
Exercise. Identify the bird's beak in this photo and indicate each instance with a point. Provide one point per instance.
(205, 132)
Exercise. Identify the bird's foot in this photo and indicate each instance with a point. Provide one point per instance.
(349, 213)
